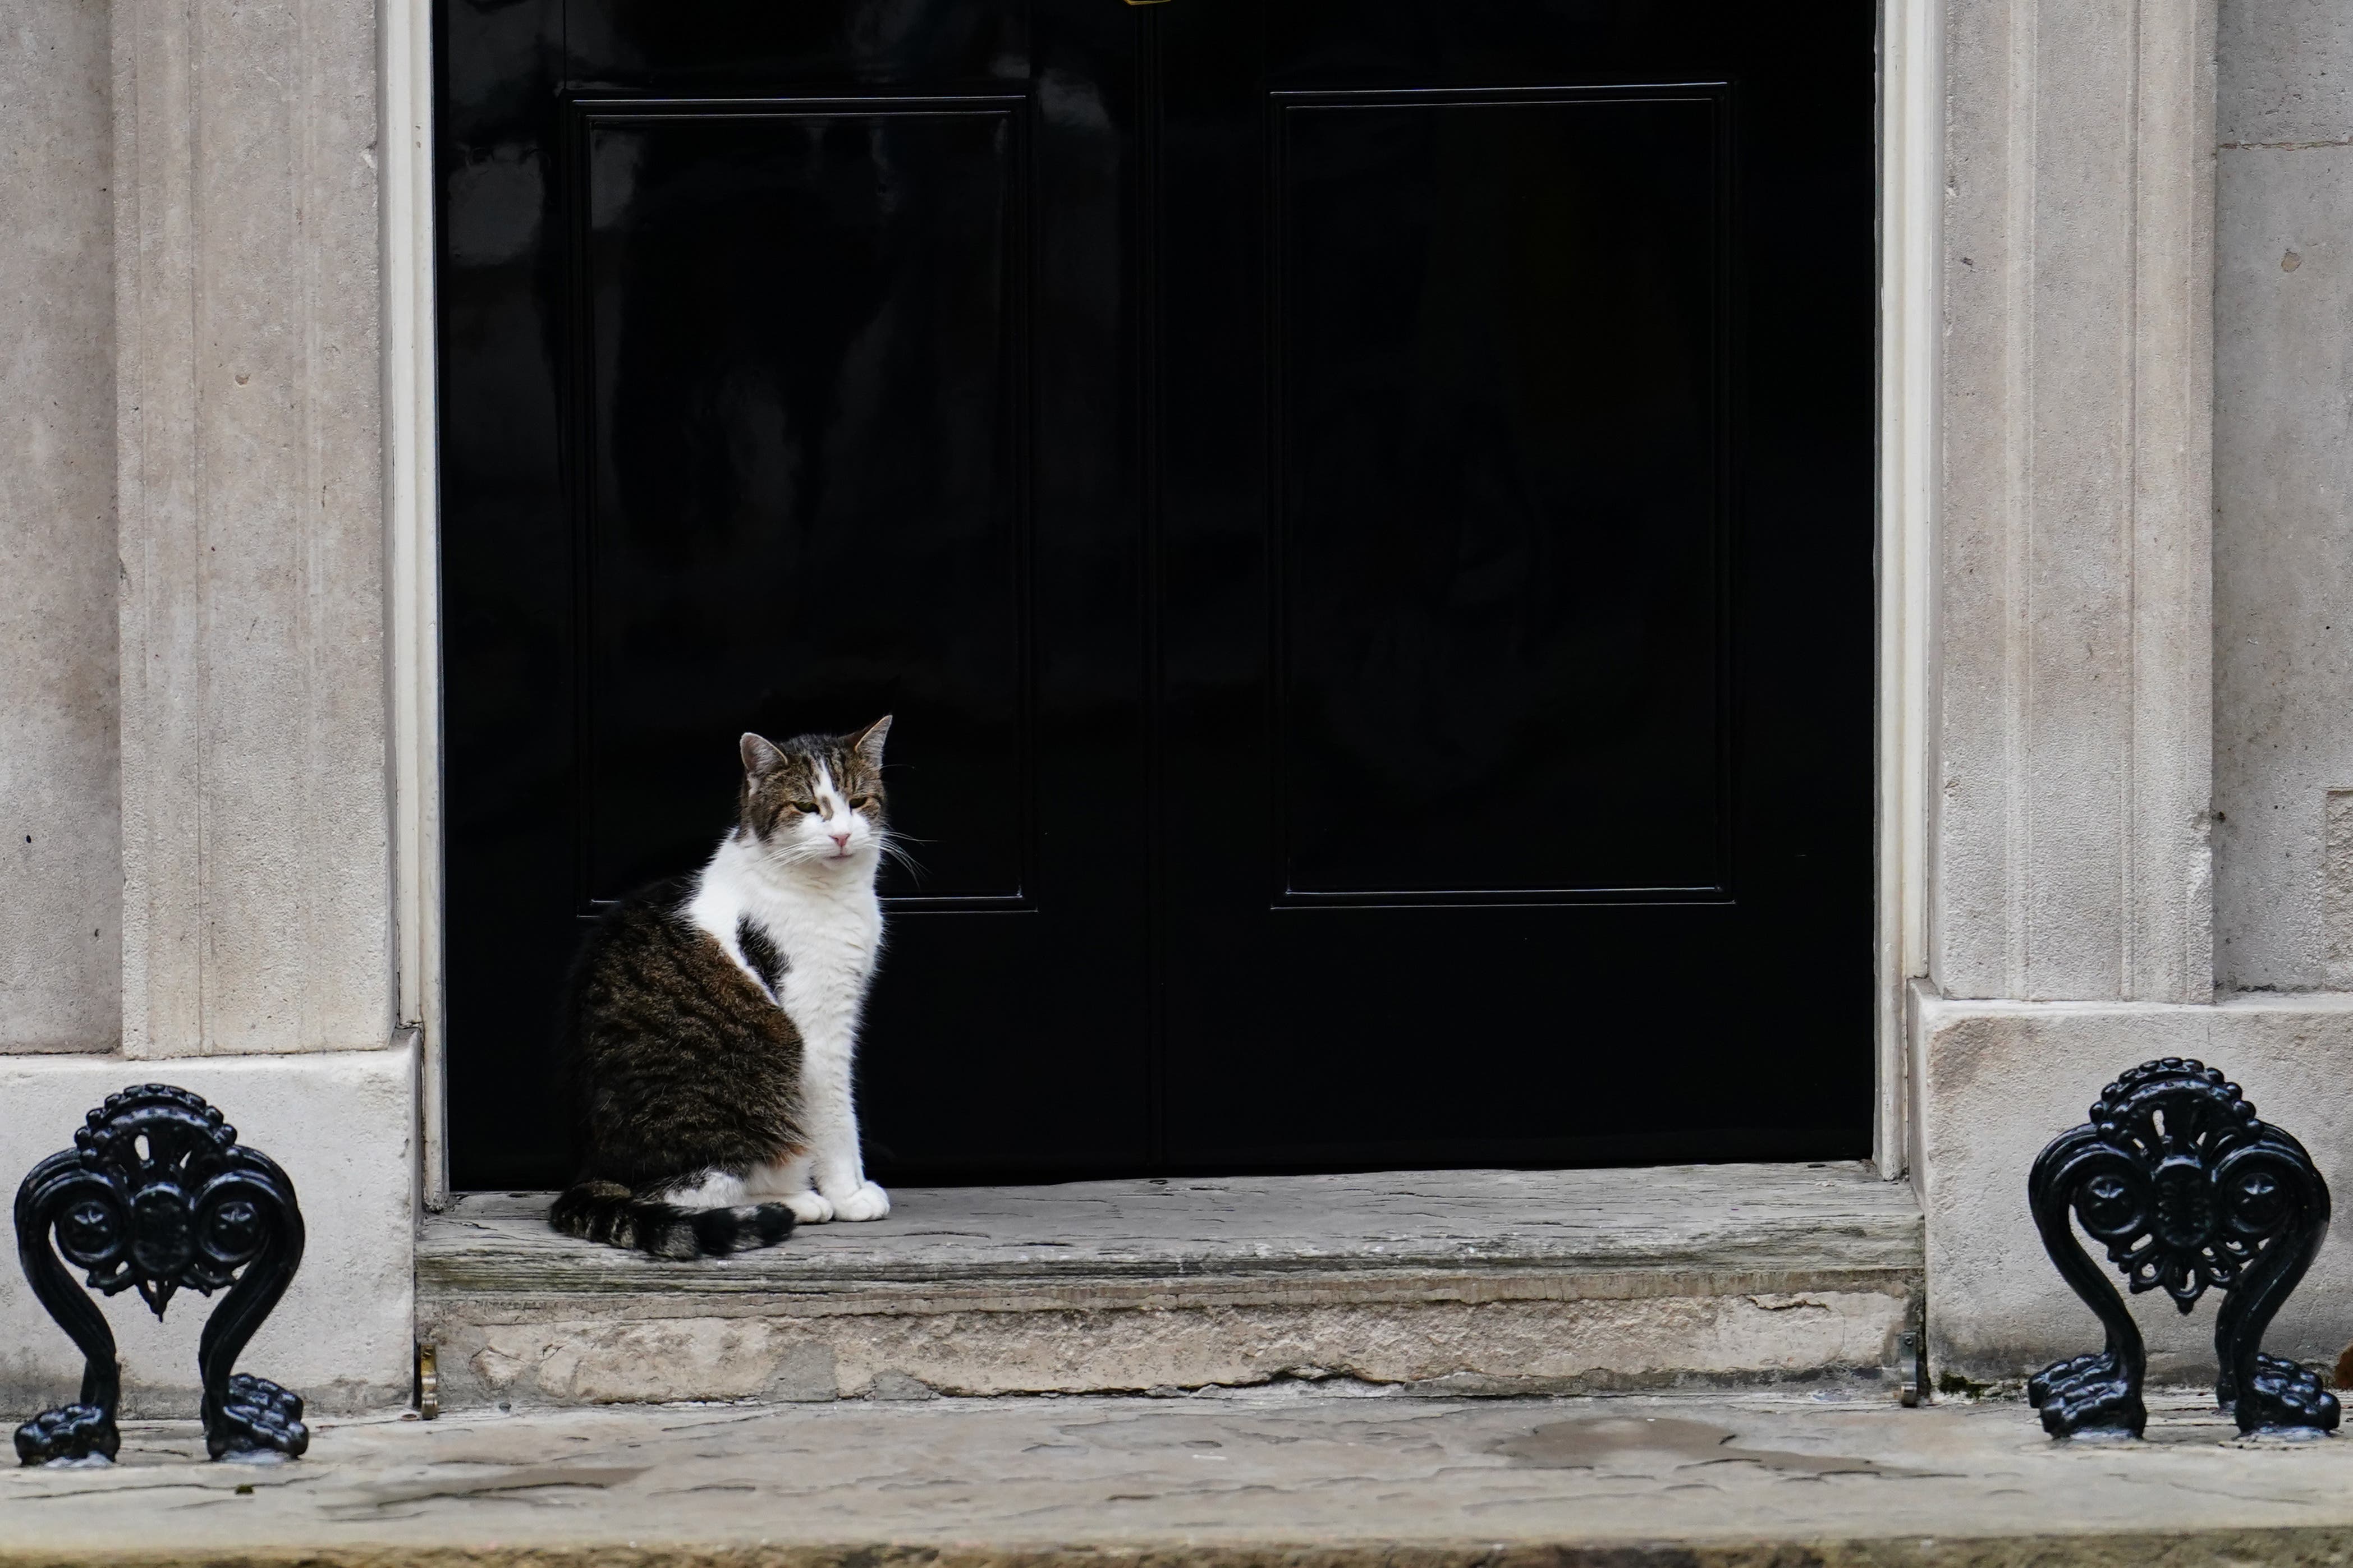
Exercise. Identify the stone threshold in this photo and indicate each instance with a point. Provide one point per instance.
(1292, 1475)
(1478, 1281)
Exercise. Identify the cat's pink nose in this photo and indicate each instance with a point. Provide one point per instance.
(841, 840)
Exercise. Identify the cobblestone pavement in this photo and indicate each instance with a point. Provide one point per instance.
(1292, 1474)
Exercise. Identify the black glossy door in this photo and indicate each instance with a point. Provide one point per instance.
(1362, 514)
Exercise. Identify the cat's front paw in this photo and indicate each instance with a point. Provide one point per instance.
(809, 1208)
(868, 1202)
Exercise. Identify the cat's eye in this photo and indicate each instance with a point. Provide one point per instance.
(807, 805)
(860, 802)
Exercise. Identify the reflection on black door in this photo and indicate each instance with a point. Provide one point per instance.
(1362, 514)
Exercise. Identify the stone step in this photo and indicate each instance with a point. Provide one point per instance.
(1450, 1282)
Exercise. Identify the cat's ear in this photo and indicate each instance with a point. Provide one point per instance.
(868, 743)
(759, 756)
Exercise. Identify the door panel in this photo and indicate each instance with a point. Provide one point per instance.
(1499, 462)
(809, 423)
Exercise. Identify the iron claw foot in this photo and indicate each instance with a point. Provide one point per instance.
(2285, 1395)
(2087, 1394)
(2039, 1386)
(69, 1432)
(257, 1416)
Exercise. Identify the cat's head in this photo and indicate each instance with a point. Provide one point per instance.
(815, 800)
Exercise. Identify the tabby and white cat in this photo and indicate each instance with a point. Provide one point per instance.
(711, 1020)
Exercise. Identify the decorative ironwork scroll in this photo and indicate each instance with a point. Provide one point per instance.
(2187, 1191)
(157, 1194)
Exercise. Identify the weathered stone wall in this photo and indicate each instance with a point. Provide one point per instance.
(60, 841)
(2284, 518)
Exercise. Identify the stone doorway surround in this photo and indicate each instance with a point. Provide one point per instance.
(2047, 629)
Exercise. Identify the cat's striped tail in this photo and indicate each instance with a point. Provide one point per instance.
(610, 1212)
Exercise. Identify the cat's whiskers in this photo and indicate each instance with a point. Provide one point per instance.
(893, 848)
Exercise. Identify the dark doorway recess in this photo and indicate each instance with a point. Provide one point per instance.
(1363, 513)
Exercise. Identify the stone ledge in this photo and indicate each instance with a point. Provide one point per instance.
(341, 1124)
(1498, 1281)
(1996, 1080)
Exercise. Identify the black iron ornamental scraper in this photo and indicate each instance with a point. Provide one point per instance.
(2186, 1189)
(157, 1193)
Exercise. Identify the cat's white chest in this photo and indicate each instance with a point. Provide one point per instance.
(827, 930)
(829, 946)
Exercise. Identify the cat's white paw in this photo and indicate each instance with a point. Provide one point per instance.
(868, 1202)
(809, 1208)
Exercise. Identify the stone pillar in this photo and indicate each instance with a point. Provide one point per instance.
(2074, 638)
(60, 853)
(256, 897)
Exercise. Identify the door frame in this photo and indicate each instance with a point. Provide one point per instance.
(412, 515)
(1910, 164)
(1911, 316)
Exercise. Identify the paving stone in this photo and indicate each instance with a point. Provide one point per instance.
(1309, 1476)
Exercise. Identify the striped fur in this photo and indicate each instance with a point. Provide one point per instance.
(608, 1212)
